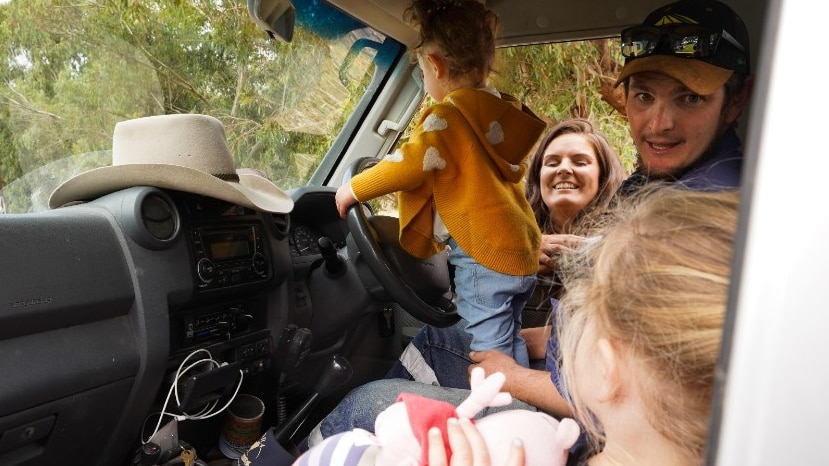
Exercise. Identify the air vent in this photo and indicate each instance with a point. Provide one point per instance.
(159, 217)
(282, 225)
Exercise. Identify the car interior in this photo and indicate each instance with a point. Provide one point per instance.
(149, 300)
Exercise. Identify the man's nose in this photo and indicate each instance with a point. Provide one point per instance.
(661, 118)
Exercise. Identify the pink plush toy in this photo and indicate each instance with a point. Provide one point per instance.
(401, 431)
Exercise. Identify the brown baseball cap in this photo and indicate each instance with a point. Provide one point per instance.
(699, 43)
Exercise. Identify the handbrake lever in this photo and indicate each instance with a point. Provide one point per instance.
(294, 345)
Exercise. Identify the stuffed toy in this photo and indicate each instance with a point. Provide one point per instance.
(400, 436)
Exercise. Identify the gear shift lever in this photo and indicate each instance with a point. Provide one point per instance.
(334, 264)
(333, 377)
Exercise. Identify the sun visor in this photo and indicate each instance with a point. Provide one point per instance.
(276, 17)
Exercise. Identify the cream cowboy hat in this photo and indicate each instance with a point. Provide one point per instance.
(184, 152)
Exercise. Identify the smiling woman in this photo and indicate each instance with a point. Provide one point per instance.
(574, 172)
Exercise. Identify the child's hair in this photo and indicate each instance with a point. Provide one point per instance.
(611, 172)
(656, 286)
(463, 31)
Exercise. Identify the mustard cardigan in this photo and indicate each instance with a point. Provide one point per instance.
(466, 158)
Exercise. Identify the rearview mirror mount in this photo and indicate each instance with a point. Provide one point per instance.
(276, 17)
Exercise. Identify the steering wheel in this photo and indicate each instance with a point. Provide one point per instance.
(420, 286)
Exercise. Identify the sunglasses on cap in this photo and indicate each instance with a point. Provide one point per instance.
(683, 40)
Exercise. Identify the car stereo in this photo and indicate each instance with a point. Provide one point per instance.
(229, 255)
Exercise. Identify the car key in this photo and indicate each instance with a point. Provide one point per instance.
(188, 457)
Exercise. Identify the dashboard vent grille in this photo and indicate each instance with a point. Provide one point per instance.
(282, 225)
(159, 217)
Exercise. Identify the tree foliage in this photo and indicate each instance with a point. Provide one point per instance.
(566, 80)
(71, 69)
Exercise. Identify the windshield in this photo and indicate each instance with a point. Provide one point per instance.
(72, 69)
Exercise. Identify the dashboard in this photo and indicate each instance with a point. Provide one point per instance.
(137, 280)
(143, 280)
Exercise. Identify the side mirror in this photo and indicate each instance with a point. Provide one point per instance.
(276, 17)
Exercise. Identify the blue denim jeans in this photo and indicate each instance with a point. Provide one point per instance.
(440, 356)
(361, 406)
(436, 356)
(491, 303)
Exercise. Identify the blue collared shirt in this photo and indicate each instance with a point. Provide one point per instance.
(719, 169)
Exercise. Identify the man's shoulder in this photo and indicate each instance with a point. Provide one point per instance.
(720, 174)
(721, 170)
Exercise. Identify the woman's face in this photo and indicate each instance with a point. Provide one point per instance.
(569, 176)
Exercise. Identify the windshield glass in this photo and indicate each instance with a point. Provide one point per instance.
(72, 69)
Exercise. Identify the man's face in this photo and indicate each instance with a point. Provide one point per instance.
(671, 125)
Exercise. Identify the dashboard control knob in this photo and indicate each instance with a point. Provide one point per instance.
(205, 270)
(260, 264)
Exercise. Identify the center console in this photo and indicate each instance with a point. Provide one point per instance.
(226, 318)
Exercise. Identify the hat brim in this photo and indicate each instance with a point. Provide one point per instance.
(698, 76)
(251, 191)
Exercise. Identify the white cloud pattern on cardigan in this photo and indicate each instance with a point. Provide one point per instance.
(434, 123)
(495, 135)
(432, 160)
(396, 156)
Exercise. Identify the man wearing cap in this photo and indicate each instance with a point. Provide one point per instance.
(687, 79)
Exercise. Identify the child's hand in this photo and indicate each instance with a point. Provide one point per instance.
(345, 199)
(468, 447)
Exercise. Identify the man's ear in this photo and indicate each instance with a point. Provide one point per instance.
(739, 101)
(609, 360)
(438, 64)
